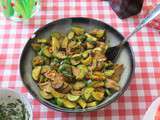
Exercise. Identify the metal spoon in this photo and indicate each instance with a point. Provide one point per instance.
(113, 52)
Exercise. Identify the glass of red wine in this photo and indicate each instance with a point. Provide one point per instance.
(126, 8)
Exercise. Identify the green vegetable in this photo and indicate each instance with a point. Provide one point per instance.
(108, 92)
(69, 104)
(66, 61)
(89, 45)
(52, 101)
(75, 62)
(46, 52)
(70, 35)
(42, 78)
(45, 95)
(79, 85)
(96, 84)
(98, 95)
(109, 72)
(65, 43)
(92, 104)
(80, 71)
(85, 54)
(78, 30)
(56, 35)
(59, 102)
(90, 38)
(37, 60)
(45, 68)
(80, 38)
(87, 61)
(82, 103)
(99, 33)
(93, 65)
(36, 72)
(112, 85)
(46, 60)
(66, 70)
(59, 55)
(88, 92)
(108, 64)
(42, 40)
(36, 47)
(55, 44)
(75, 59)
(73, 98)
(55, 63)
(97, 49)
(98, 76)
(76, 56)
(56, 94)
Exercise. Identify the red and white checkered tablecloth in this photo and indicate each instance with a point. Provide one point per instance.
(144, 88)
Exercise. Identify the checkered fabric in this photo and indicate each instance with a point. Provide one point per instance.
(145, 85)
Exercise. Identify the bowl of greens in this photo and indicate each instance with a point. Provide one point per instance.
(14, 106)
(64, 65)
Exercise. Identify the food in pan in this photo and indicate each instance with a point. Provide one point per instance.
(71, 69)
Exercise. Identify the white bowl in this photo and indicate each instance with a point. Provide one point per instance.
(8, 95)
(151, 112)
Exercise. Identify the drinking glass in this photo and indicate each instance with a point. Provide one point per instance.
(19, 10)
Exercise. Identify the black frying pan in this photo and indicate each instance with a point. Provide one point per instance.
(63, 25)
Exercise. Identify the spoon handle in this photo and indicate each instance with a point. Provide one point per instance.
(155, 12)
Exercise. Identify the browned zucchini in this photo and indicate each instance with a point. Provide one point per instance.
(98, 95)
(78, 30)
(38, 60)
(36, 46)
(45, 95)
(65, 43)
(69, 104)
(70, 35)
(36, 72)
(56, 94)
(82, 103)
(55, 44)
(79, 85)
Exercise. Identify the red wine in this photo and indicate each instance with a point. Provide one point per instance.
(126, 8)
